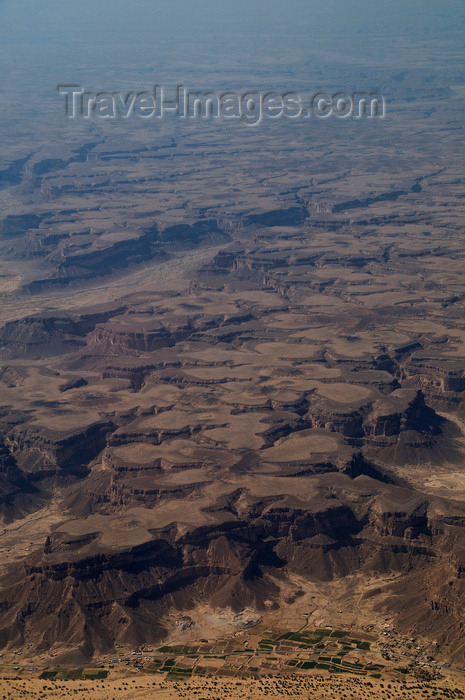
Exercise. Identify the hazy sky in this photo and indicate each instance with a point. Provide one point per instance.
(150, 20)
(103, 34)
(132, 44)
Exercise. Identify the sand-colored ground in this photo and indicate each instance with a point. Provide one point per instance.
(121, 686)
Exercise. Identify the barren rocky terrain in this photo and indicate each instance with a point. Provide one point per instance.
(232, 392)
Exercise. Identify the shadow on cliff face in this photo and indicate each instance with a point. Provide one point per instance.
(79, 593)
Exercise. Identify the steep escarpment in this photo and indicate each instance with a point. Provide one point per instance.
(400, 418)
(74, 258)
(42, 453)
(209, 410)
(124, 593)
(403, 411)
(45, 335)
